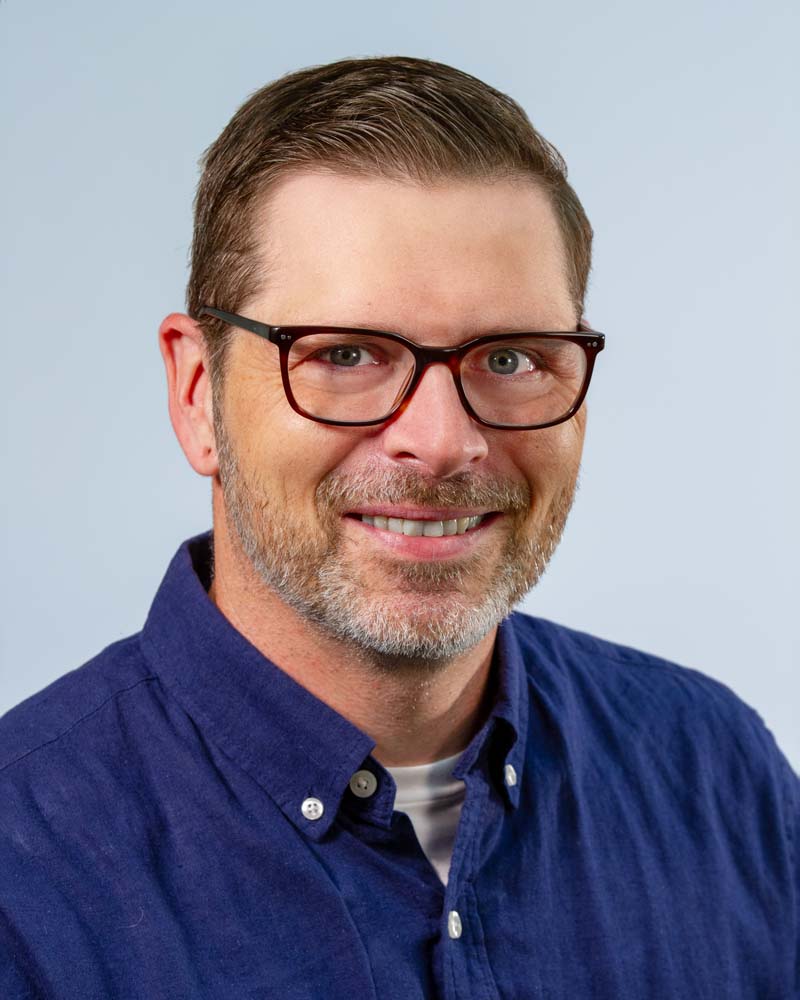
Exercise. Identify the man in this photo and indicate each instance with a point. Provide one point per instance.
(333, 764)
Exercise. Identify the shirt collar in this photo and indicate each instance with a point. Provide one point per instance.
(294, 745)
(505, 731)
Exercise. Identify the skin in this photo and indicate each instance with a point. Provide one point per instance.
(438, 264)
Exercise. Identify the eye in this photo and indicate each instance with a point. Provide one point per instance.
(346, 355)
(507, 361)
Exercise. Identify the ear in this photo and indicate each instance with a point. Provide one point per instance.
(185, 357)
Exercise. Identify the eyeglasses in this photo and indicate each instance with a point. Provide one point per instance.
(354, 378)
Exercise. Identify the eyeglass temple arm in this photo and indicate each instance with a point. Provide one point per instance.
(233, 319)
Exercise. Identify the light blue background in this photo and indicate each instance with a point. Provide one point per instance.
(678, 125)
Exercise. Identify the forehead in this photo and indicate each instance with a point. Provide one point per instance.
(418, 258)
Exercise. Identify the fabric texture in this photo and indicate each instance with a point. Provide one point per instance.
(156, 839)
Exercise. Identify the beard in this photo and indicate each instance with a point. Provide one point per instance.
(429, 612)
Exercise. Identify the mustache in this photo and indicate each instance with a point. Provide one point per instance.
(340, 491)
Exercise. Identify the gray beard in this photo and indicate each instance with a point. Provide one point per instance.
(323, 582)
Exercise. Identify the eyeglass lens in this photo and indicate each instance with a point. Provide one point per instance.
(354, 377)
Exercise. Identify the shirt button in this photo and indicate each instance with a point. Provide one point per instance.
(454, 924)
(312, 808)
(363, 784)
(510, 775)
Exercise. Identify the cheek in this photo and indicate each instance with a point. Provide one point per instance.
(285, 455)
(549, 459)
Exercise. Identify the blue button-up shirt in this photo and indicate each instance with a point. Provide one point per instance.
(154, 844)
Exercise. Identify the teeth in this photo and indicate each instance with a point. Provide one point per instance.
(430, 529)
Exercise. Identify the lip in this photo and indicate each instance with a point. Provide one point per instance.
(418, 513)
(418, 548)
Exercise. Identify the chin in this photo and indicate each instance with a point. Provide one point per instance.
(408, 624)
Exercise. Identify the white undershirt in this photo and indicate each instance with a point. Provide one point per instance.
(432, 800)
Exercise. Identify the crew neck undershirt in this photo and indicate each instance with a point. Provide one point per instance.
(431, 798)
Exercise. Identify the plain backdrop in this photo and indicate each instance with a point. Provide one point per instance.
(678, 124)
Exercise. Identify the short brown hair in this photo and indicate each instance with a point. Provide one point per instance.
(393, 117)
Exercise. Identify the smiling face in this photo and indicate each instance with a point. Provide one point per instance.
(364, 530)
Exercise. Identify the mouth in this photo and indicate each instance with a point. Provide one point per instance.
(428, 526)
(419, 534)
(429, 529)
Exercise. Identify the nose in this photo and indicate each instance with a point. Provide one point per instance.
(434, 433)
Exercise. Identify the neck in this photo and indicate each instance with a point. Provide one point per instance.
(415, 712)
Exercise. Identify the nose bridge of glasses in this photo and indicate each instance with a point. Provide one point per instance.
(448, 356)
(427, 358)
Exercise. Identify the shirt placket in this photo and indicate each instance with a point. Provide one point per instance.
(465, 968)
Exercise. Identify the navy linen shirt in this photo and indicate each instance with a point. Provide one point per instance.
(153, 842)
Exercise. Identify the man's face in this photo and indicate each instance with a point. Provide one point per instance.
(440, 265)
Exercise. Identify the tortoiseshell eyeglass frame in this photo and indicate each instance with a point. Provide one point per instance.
(283, 337)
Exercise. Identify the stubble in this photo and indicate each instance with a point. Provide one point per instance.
(425, 613)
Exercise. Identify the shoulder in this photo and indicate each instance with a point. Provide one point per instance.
(588, 661)
(66, 705)
(656, 709)
(671, 733)
(75, 759)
